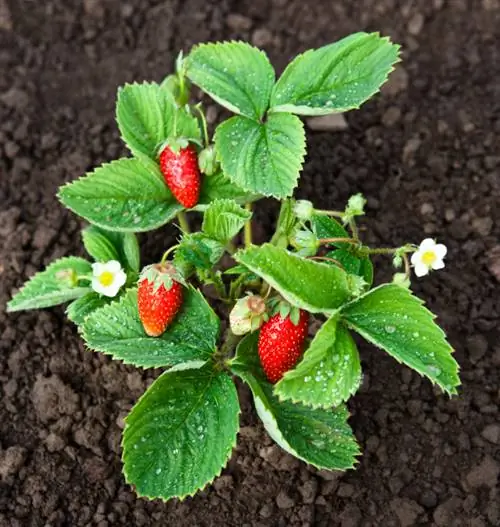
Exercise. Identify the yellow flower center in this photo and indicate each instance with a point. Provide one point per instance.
(106, 278)
(429, 257)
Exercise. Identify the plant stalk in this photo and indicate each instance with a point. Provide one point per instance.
(183, 222)
(248, 227)
(353, 241)
(204, 124)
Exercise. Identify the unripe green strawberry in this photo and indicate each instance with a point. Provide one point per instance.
(159, 297)
(281, 344)
(179, 165)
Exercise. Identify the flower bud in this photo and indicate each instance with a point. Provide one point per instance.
(207, 160)
(303, 209)
(306, 242)
(68, 276)
(355, 207)
(401, 279)
(247, 314)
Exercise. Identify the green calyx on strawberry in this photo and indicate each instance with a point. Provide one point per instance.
(159, 297)
(281, 340)
(248, 314)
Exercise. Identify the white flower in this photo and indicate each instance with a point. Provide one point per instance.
(108, 278)
(428, 256)
(303, 209)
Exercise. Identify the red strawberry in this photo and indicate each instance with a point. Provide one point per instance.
(182, 174)
(281, 343)
(159, 298)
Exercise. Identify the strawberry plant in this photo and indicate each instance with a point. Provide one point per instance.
(315, 268)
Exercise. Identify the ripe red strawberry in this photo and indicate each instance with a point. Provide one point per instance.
(182, 174)
(281, 344)
(159, 298)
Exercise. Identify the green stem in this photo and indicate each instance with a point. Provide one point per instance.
(167, 252)
(406, 260)
(278, 233)
(327, 259)
(231, 248)
(353, 241)
(248, 227)
(334, 213)
(230, 343)
(204, 123)
(354, 229)
(381, 250)
(219, 285)
(183, 222)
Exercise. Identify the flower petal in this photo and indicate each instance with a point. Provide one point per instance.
(416, 257)
(421, 269)
(97, 286)
(97, 268)
(440, 250)
(427, 245)
(113, 266)
(120, 278)
(438, 264)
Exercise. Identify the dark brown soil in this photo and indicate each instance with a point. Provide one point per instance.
(425, 152)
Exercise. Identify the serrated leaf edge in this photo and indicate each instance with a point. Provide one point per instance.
(221, 101)
(453, 390)
(302, 154)
(289, 107)
(189, 494)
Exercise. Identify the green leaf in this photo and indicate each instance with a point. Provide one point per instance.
(105, 245)
(366, 270)
(320, 437)
(98, 245)
(116, 330)
(131, 251)
(285, 225)
(335, 78)
(349, 262)
(313, 286)
(360, 266)
(326, 227)
(223, 220)
(51, 287)
(198, 250)
(264, 158)
(393, 319)
(328, 374)
(80, 308)
(147, 116)
(125, 195)
(235, 74)
(181, 433)
(219, 186)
